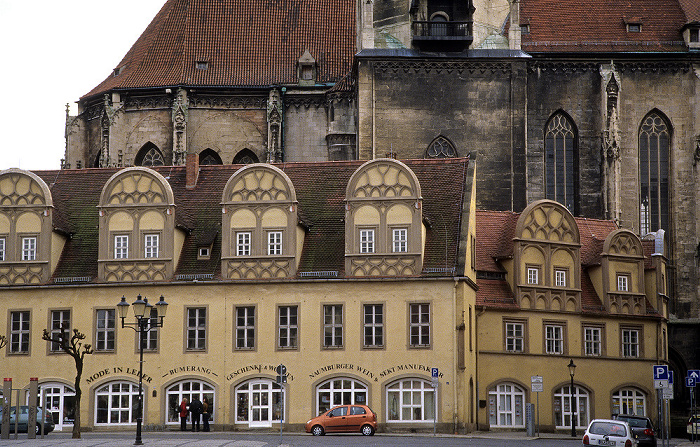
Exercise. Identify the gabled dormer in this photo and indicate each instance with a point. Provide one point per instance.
(547, 259)
(441, 25)
(691, 35)
(26, 235)
(260, 237)
(384, 233)
(623, 274)
(137, 227)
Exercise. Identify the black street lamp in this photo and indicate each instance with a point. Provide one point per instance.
(572, 369)
(143, 324)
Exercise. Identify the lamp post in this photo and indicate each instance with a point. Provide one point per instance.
(142, 325)
(572, 370)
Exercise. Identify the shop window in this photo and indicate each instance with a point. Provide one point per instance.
(506, 406)
(188, 389)
(629, 401)
(116, 404)
(340, 391)
(60, 400)
(564, 410)
(410, 400)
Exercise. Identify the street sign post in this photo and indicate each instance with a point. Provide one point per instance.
(435, 374)
(537, 384)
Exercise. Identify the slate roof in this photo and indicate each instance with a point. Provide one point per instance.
(245, 43)
(320, 190)
(495, 231)
(600, 25)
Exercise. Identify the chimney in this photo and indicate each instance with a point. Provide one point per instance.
(192, 170)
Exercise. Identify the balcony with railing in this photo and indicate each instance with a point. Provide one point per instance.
(442, 35)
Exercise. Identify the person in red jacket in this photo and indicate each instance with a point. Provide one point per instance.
(184, 411)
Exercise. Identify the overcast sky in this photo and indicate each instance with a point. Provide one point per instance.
(51, 53)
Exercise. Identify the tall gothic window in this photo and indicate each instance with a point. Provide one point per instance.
(561, 161)
(654, 148)
(441, 147)
(149, 155)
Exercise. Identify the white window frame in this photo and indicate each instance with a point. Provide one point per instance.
(411, 400)
(533, 275)
(243, 243)
(259, 403)
(115, 393)
(560, 277)
(121, 246)
(151, 245)
(245, 327)
(554, 339)
(630, 339)
(629, 401)
(419, 325)
(188, 389)
(562, 407)
(373, 325)
(622, 282)
(20, 327)
(333, 333)
(274, 243)
(515, 336)
(506, 406)
(288, 329)
(196, 328)
(58, 319)
(105, 330)
(29, 248)
(399, 237)
(366, 240)
(340, 391)
(61, 400)
(2, 248)
(593, 339)
(151, 336)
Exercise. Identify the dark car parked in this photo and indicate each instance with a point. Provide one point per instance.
(24, 420)
(642, 428)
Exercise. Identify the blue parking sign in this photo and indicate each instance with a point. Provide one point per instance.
(690, 382)
(434, 372)
(661, 372)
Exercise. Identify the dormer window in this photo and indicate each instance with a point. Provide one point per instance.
(634, 24)
(306, 69)
(204, 253)
(201, 65)
(524, 28)
(694, 35)
(274, 243)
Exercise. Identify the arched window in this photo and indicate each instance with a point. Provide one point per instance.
(629, 401)
(116, 403)
(441, 147)
(340, 391)
(209, 157)
(410, 400)
(245, 157)
(259, 403)
(149, 155)
(61, 402)
(563, 407)
(506, 406)
(187, 389)
(654, 148)
(561, 161)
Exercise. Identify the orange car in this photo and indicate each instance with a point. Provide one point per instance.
(344, 418)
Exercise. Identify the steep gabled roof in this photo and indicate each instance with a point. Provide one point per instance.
(244, 43)
(601, 25)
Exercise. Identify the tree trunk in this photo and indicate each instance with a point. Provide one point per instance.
(78, 394)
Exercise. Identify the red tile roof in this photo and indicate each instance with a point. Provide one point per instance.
(600, 25)
(243, 42)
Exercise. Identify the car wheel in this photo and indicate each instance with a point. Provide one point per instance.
(317, 430)
(367, 430)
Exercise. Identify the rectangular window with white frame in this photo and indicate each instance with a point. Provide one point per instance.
(121, 246)
(243, 239)
(593, 340)
(245, 327)
(630, 342)
(2, 248)
(60, 323)
(367, 240)
(514, 336)
(274, 242)
(399, 240)
(373, 326)
(150, 245)
(196, 328)
(19, 332)
(29, 248)
(288, 327)
(533, 275)
(419, 325)
(151, 336)
(554, 339)
(560, 277)
(105, 330)
(332, 325)
(622, 282)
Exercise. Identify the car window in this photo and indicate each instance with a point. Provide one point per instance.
(357, 410)
(340, 411)
(608, 429)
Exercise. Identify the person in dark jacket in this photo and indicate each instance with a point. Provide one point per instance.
(196, 410)
(205, 414)
(184, 410)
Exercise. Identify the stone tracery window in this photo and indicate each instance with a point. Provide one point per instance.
(561, 161)
(654, 148)
(149, 155)
(441, 147)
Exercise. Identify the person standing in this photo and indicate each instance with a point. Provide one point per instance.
(184, 410)
(196, 410)
(205, 414)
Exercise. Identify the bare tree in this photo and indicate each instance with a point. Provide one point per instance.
(72, 345)
(3, 341)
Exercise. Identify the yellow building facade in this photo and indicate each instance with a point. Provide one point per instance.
(358, 277)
